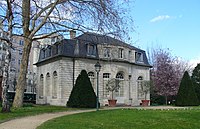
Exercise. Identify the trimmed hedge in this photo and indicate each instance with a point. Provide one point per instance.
(82, 94)
(186, 94)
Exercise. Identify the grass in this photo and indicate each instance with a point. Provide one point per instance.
(29, 110)
(128, 119)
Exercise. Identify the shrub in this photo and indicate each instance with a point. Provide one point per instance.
(82, 94)
(157, 100)
(196, 79)
(186, 94)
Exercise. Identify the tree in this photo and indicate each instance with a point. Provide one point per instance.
(112, 86)
(186, 94)
(7, 57)
(82, 94)
(145, 88)
(196, 80)
(166, 73)
(47, 17)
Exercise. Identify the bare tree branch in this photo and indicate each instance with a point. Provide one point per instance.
(44, 20)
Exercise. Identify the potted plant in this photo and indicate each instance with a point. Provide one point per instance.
(145, 89)
(112, 86)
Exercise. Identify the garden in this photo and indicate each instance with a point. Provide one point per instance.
(30, 110)
(129, 119)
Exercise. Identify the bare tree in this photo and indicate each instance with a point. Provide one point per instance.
(7, 40)
(47, 17)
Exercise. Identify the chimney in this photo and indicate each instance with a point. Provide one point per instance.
(72, 34)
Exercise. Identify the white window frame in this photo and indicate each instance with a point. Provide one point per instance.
(139, 57)
(106, 75)
(121, 53)
(91, 49)
(106, 52)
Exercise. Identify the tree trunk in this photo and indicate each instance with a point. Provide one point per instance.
(5, 102)
(18, 100)
(166, 99)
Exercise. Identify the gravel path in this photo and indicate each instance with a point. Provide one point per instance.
(31, 122)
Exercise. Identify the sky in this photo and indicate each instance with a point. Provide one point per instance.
(169, 24)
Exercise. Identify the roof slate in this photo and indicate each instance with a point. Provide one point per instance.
(69, 47)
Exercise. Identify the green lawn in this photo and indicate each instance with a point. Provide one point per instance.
(128, 119)
(32, 110)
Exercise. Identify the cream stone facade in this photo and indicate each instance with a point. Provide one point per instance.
(59, 66)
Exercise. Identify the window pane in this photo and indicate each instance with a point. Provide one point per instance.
(91, 74)
(106, 52)
(119, 76)
(91, 50)
(106, 75)
(120, 53)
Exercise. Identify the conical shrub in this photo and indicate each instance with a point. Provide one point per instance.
(82, 94)
(186, 94)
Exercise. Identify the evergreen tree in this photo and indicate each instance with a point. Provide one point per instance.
(82, 95)
(186, 94)
(196, 80)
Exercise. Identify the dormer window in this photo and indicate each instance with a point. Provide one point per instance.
(91, 50)
(53, 39)
(49, 51)
(129, 55)
(54, 49)
(138, 57)
(120, 53)
(21, 42)
(106, 52)
(43, 53)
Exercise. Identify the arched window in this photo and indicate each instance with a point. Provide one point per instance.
(91, 76)
(41, 86)
(120, 77)
(140, 78)
(54, 85)
(48, 84)
(139, 83)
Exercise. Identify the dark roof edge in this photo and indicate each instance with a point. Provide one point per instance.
(115, 60)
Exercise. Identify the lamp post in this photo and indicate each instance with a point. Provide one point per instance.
(97, 69)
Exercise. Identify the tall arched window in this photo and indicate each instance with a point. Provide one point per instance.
(54, 85)
(91, 76)
(41, 86)
(139, 83)
(120, 77)
(48, 84)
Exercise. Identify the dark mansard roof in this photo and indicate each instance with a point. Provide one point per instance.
(77, 48)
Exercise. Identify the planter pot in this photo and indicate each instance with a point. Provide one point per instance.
(145, 103)
(112, 102)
